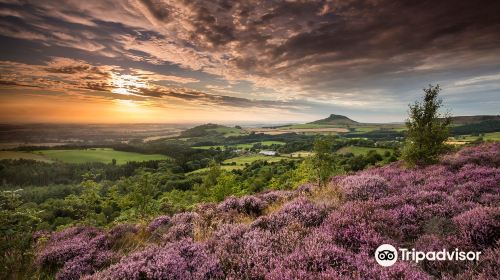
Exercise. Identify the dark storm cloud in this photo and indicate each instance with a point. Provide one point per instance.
(340, 48)
(335, 35)
(157, 9)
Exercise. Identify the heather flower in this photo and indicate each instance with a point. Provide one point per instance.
(182, 226)
(486, 155)
(40, 234)
(315, 261)
(449, 205)
(363, 187)
(438, 269)
(179, 260)
(122, 230)
(300, 211)
(185, 217)
(65, 245)
(480, 226)
(161, 221)
(306, 188)
(75, 252)
(247, 253)
(230, 203)
(433, 203)
(251, 205)
(486, 268)
(248, 204)
(276, 196)
(400, 270)
(85, 264)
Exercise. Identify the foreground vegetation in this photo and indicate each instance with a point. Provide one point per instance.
(326, 232)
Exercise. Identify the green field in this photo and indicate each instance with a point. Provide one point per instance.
(248, 159)
(309, 126)
(464, 139)
(23, 155)
(355, 150)
(241, 146)
(493, 136)
(301, 154)
(208, 147)
(223, 167)
(103, 155)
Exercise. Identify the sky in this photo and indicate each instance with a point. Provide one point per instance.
(162, 61)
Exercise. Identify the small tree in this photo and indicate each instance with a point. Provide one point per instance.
(323, 161)
(214, 171)
(427, 129)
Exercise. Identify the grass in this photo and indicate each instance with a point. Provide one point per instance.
(23, 155)
(361, 150)
(104, 155)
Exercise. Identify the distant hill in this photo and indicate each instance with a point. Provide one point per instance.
(335, 119)
(462, 120)
(211, 129)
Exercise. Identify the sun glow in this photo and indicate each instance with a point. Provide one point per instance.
(126, 103)
(127, 84)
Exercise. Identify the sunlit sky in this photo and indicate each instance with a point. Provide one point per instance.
(243, 61)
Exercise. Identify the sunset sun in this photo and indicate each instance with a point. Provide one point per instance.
(126, 84)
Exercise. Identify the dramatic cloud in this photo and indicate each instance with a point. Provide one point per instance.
(343, 54)
(66, 75)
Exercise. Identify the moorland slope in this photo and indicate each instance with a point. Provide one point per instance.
(308, 233)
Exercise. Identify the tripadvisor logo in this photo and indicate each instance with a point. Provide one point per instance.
(387, 255)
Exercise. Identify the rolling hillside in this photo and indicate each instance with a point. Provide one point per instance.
(464, 120)
(211, 129)
(335, 120)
